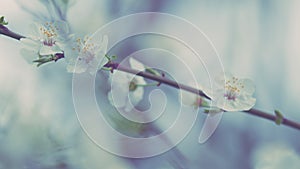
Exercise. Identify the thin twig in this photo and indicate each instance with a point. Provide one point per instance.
(5, 31)
(271, 117)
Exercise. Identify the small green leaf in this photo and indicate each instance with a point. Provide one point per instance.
(106, 68)
(2, 21)
(279, 117)
(152, 71)
(212, 110)
(114, 57)
(206, 111)
(44, 59)
(107, 57)
(111, 58)
(204, 103)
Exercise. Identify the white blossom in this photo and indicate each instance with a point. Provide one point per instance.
(46, 39)
(126, 89)
(84, 56)
(234, 94)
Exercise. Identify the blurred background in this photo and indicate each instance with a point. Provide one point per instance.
(257, 39)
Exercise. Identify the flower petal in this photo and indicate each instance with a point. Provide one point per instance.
(118, 97)
(49, 50)
(136, 64)
(62, 27)
(29, 55)
(36, 33)
(136, 96)
(80, 66)
(29, 43)
(187, 98)
(248, 85)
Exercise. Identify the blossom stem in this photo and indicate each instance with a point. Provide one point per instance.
(147, 85)
(163, 80)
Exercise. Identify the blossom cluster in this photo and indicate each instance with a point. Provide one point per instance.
(81, 55)
(229, 94)
(52, 38)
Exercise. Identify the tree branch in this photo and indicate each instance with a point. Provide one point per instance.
(159, 79)
(169, 82)
(5, 31)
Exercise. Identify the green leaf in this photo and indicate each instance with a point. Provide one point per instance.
(206, 111)
(152, 71)
(111, 58)
(106, 68)
(44, 59)
(204, 103)
(212, 110)
(2, 21)
(114, 57)
(279, 117)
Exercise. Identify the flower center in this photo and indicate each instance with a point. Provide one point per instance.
(48, 42)
(87, 50)
(231, 94)
(49, 34)
(133, 85)
(89, 58)
(232, 88)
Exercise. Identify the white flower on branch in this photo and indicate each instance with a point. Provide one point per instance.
(127, 90)
(233, 94)
(84, 56)
(46, 39)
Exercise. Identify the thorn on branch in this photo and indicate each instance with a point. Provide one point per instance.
(162, 75)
